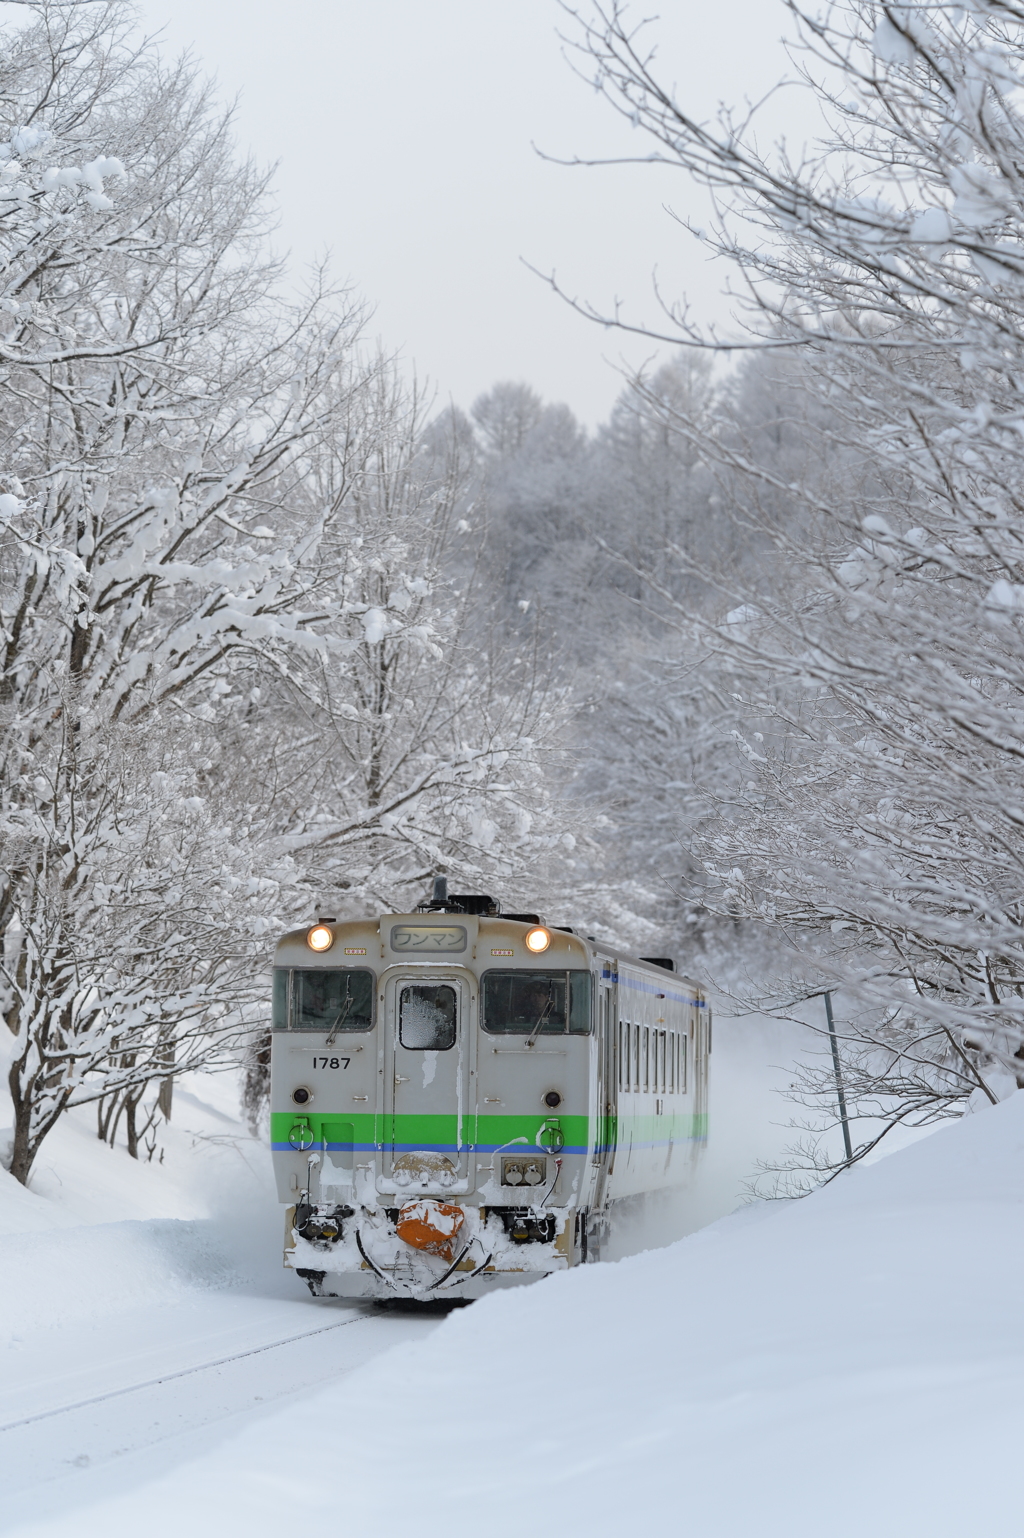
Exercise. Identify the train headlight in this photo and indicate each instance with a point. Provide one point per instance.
(320, 938)
(537, 940)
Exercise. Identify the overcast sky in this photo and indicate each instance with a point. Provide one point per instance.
(404, 135)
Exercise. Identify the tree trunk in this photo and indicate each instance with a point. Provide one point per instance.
(166, 1093)
(22, 1151)
(131, 1105)
(28, 1139)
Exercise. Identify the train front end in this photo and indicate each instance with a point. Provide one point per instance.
(433, 1097)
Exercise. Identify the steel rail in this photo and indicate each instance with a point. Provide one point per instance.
(184, 1372)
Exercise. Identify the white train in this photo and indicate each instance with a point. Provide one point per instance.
(460, 1096)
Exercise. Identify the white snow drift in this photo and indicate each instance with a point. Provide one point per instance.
(849, 1364)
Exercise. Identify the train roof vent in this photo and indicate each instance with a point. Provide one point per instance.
(565, 929)
(523, 918)
(473, 902)
(660, 961)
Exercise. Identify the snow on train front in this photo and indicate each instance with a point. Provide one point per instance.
(432, 1111)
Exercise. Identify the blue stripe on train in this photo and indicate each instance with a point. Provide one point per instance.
(317, 1147)
(641, 987)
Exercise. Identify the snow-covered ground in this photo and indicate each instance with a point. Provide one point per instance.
(848, 1364)
(144, 1310)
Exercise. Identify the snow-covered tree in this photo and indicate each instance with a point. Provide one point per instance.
(882, 829)
(158, 396)
(426, 744)
(581, 534)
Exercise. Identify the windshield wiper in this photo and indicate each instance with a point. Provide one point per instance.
(339, 1021)
(548, 1007)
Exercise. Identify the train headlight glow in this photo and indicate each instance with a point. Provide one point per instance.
(537, 940)
(320, 938)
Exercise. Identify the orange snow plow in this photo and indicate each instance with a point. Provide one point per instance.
(431, 1226)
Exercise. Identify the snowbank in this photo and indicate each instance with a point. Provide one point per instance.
(848, 1365)
(62, 1278)
(98, 1233)
(206, 1157)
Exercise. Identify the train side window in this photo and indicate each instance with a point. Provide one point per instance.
(672, 1063)
(623, 1055)
(682, 1065)
(662, 1074)
(635, 1054)
(645, 1057)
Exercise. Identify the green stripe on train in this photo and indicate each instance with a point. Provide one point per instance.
(420, 1131)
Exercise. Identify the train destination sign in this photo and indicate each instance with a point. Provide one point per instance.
(446, 938)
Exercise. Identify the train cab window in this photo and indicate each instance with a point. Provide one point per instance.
(534, 1003)
(334, 999)
(426, 1017)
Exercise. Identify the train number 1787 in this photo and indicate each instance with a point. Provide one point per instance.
(331, 1062)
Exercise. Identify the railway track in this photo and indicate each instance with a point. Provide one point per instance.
(170, 1377)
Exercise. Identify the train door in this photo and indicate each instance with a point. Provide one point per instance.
(606, 1102)
(700, 1030)
(701, 1065)
(426, 1079)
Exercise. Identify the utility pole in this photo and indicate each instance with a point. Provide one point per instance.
(840, 1091)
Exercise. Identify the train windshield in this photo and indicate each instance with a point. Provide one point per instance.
(339, 999)
(528, 1003)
